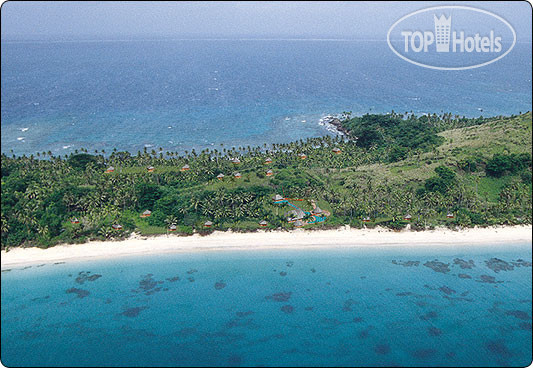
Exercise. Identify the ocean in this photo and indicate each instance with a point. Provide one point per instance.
(431, 306)
(185, 94)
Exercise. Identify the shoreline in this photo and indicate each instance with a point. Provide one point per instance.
(261, 240)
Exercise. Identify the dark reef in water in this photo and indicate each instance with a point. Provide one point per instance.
(347, 307)
(405, 293)
(521, 263)
(406, 263)
(382, 349)
(173, 279)
(518, 314)
(220, 285)
(438, 266)
(428, 316)
(244, 314)
(79, 292)
(488, 279)
(280, 297)
(283, 273)
(498, 348)
(446, 290)
(424, 353)
(434, 331)
(147, 284)
(464, 276)
(464, 264)
(498, 265)
(287, 308)
(133, 312)
(84, 276)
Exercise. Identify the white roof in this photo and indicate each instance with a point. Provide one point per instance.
(220, 175)
(277, 197)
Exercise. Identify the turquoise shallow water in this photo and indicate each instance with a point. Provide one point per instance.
(366, 307)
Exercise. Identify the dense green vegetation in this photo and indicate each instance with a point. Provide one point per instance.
(390, 165)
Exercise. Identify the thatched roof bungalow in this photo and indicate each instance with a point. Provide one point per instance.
(146, 213)
(277, 198)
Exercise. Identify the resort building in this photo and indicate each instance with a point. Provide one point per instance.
(185, 168)
(295, 215)
(268, 161)
(146, 213)
(366, 219)
(237, 175)
(407, 217)
(110, 169)
(236, 161)
(208, 224)
(298, 223)
(277, 198)
(317, 211)
(450, 215)
(172, 227)
(302, 156)
(336, 150)
(269, 173)
(220, 176)
(263, 223)
(74, 221)
(150, 168)
(117, 227)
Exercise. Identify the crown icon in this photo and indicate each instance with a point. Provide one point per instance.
(443, 26)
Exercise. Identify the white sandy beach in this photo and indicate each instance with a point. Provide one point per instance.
(297, 239)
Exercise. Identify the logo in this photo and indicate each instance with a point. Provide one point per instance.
(451, 38)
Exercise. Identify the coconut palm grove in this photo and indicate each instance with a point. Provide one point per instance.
(393, 170)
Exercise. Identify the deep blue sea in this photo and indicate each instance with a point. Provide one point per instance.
(184, 94)
(457, 306)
